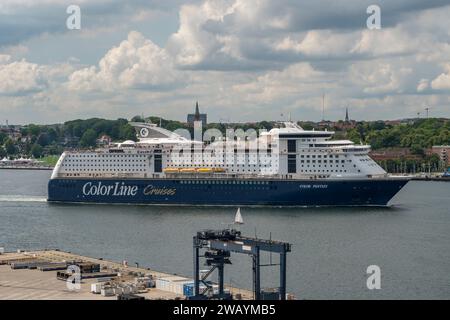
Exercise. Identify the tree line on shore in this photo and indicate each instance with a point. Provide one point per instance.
(39, 140)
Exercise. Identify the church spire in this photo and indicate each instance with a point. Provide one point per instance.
(346, 115)
(197, 112)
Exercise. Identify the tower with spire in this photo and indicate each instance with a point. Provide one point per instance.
(197, 116)
(346, 115)
(197, 112)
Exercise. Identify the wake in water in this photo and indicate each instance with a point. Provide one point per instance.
(21, 198)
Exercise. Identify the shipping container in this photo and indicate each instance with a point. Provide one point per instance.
(178, 286)
(25, 265)
(126, 290)
(134, 289)
(96, 288)
(117, 290)
(172, 284)
(107, 292)
(188, 288)
(52, 266)
(86, 267)
(146, 282)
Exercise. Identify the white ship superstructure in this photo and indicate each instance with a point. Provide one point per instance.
(290, 153)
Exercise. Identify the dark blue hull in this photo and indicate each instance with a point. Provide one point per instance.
(366, 192)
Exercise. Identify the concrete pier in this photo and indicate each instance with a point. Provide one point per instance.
(33, 284)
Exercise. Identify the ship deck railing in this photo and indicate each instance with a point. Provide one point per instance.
(215, 176)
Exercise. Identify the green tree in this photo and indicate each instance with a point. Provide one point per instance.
(10, 147)
(137, 119)
(416, 149)
(89, 138)
(2, 153)
(3, 137)
(33, 129)
(36, 150)
(52, 135)
(127, 132)
(55, 149)
(354, 136)
(43, 139)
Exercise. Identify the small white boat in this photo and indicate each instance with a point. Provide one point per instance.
(238, 217)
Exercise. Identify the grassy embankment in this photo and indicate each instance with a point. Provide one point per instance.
(49, 160)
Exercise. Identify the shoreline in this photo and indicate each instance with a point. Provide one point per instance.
(25, 168)
(441, 179)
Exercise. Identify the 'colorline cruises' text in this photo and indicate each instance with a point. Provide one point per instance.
(117, 189)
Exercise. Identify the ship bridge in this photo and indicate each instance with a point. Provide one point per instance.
(292, 130)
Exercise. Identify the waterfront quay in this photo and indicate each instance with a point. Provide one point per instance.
(39, 275)
(26, 167)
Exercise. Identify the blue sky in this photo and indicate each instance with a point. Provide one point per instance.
(243, 60)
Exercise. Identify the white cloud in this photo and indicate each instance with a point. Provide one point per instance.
(21, 77)
(4, 58)
(137, 63)
(385, 41)
(442, 82)
(380, 76)
(192, 43)
(274, 85)
(17, 50)
(423, 85)
(320, 43)
(250, 58)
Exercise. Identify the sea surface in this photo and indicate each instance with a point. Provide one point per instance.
(331, 247)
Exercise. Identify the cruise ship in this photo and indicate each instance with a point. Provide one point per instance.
(286, 166)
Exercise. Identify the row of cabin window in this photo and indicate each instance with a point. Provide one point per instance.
(324, 161)
(320, 156)
(215, 165)
(100, 160)
(105, 169)
(221, 182)
(325, 171)
(103, 165)
(326, 166)
(104, 155)
(78, 175)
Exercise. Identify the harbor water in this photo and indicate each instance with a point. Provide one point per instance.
(332, 247)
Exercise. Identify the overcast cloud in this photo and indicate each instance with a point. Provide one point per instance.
(243, 60)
